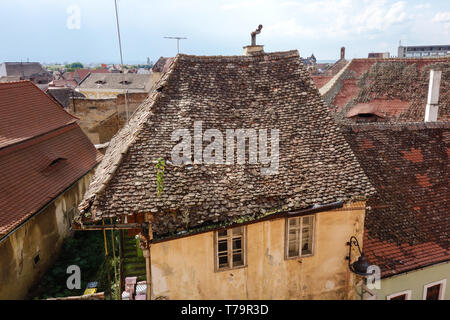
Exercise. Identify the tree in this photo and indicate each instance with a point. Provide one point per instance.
(76, 65)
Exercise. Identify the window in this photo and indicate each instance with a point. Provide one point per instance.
(230, 248)
(434, 290)
(36, 258)
(299, 236)
(404, 295)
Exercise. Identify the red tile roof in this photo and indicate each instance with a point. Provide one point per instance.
(26, 112)
(83, 73)
(408, 223)
(42, 152)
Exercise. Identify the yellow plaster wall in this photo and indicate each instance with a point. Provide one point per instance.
(184, 268)
(43, 234)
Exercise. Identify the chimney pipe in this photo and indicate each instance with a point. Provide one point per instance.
(432, 109)
(254, 48)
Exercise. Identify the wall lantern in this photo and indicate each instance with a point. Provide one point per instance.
(360, 266)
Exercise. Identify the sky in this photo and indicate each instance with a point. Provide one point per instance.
(62, 31)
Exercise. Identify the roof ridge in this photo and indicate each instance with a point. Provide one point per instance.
(37, 139)
(13, 82)
(53, 101)
(127, 135)
(393, 59)
(275, 54)
(397, 125)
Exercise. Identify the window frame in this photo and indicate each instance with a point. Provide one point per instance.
(442, 282)
(401, 293)
(230, 249)
(286, 237)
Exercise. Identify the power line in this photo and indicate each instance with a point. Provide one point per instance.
(178, 41)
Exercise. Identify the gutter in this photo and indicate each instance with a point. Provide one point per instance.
(295, 213)
(416, 269)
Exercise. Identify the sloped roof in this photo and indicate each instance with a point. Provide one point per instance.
(63, 95)
(397, 88)
(408, 223)
(24, 69)
(113, 81)
(83, 73)
(26, 112)
(162, 65)
(42, 152)
(266, 91)
(30, 180)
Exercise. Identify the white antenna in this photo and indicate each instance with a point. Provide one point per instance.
(178, 41)
(121, 63)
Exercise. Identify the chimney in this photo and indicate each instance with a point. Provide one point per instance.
(431, 112)
(343, 53)
(253, 48)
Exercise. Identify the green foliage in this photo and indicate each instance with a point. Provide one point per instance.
(85, 249)
(76, 65)
(160, 167)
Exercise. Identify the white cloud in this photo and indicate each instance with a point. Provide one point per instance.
(334, 18)
(422, 6)
(442, 17)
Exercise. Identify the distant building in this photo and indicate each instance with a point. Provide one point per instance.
(107, 86)
(310, 61)
(63, 95)
(32, 71)
(379, 55)
(80, 74)
(423, 51)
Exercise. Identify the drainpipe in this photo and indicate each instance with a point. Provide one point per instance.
(432, 109)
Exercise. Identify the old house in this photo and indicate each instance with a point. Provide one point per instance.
(45, 165)
(63, 95)
(107, 101)
(407, 225)
(107, 86)
(100, 119)
(32, 71)
(80, 74)
(227, 230)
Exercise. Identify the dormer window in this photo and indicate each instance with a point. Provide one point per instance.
(126, 82)
(100, 82)
(56, 161)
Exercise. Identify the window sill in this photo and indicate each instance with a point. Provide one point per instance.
(230, 269)
(299, 257)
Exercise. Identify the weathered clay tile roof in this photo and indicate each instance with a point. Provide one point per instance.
(26, 112)
(162, 65)
(43, 152)
(396, 88)
(408, 223)
(267, 91)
